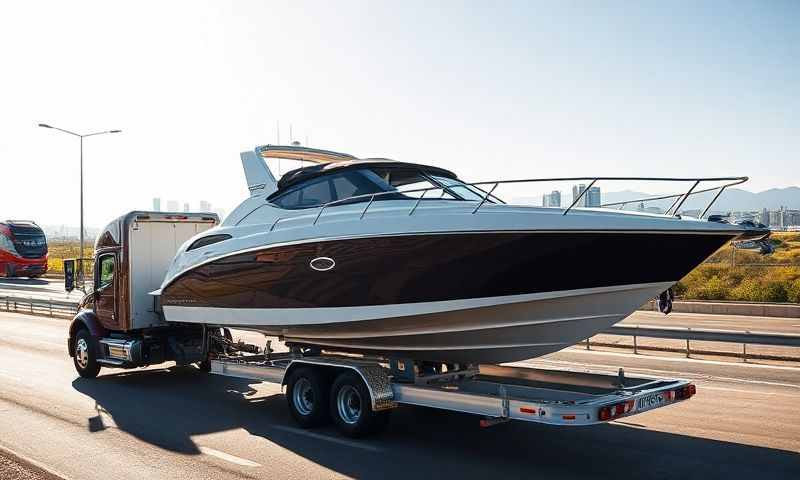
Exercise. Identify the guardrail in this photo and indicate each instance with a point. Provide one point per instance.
(39, 306)
(688, 334)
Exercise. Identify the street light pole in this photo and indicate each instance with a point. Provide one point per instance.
(81, 137)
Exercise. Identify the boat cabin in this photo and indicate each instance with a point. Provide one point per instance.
(336, 177)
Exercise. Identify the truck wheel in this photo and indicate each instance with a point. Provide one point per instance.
(85, 358)
(307, 394)
(351, 407)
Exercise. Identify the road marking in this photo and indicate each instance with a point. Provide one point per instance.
(706, 387)
(228, 457)
(12, 377)
(340, 441)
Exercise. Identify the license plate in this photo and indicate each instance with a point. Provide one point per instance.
(651, 401)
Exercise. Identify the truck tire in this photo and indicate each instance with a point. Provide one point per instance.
(351, 407)
(307, 394)
(85, 354)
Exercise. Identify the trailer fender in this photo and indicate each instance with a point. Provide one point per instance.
(375, 377)
(85, 319)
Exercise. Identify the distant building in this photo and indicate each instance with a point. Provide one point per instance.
(156, 204)
(186, 207)
(589, 199)
(577, 190)
(764, 217)
(552, 199)
(791, 218)
(172, 206)
(593, 197)
(205, 206)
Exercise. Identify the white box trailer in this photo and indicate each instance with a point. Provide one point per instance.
(119, 325)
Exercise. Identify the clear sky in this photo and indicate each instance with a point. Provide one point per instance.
(513, 90)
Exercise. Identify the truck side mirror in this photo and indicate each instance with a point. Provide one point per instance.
(69, 274)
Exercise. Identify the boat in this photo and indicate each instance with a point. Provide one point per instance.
(408, 261)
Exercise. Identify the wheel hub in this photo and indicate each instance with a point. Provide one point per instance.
(82, 353)
(303, 396)
(348, 401)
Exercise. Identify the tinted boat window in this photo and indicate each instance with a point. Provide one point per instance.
(330, 188)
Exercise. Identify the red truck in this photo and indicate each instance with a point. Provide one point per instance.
(23, 249)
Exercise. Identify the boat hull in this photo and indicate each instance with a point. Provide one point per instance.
(458, 297)
(499, 330)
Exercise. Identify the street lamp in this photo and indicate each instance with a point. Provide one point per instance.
(44, 125)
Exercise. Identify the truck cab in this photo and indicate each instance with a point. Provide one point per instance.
(119, 322)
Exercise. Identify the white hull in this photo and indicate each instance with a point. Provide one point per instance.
(488, 330)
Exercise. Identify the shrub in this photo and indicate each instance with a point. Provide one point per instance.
(793, 292)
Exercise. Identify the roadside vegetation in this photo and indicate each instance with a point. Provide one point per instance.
(58, 250)
(743, 275)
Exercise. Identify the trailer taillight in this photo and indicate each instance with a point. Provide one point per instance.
(616, 410)
(685, 392)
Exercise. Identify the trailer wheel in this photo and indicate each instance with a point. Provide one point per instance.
(85, 358)
(307, 394)
(351, 407)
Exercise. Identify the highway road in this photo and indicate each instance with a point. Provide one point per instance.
(37, 288)
(181, 423)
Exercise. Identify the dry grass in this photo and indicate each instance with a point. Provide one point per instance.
(59, 250)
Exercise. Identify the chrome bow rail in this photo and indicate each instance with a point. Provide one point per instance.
(680, 198)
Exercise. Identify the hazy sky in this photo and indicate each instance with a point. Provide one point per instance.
(519, 90)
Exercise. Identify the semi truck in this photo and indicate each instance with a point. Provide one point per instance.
(120, 324)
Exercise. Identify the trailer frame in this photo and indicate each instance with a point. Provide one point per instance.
(497, 393)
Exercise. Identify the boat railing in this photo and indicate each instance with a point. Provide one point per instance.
(488, 188)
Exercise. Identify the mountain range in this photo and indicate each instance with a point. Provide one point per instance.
(732, 199)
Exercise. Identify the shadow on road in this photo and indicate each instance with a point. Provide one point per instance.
(167, 407)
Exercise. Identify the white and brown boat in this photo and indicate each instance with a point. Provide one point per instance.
(401, 259)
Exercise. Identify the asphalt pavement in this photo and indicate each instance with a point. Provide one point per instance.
(42, 288)
(181, 423)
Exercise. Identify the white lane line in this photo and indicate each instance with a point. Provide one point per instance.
(12, 377)
(228, 457)
(706, 387)
(33, 462)
(340, 441)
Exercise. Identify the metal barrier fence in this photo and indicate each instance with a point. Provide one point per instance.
(688, 334)
(39, 306)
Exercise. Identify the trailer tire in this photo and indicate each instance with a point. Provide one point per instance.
(307, 395)
(85, 354)
(351, 407)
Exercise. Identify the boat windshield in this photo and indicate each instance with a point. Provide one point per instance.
(467, 192)
(365, 181)
(412, 182)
